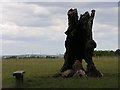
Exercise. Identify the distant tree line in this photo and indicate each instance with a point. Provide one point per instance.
(30, 56)
(107, 53)
(96, 53)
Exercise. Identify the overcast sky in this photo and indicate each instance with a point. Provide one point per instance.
(38, 27)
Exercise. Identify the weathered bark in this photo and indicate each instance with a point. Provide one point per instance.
(79, 43)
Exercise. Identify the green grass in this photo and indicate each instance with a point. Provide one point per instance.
(39, 73)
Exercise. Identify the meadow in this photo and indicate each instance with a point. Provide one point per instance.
(39, 73)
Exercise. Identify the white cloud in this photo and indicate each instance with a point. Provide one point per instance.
(13, 29)
(22, 40)
(22, 14)
(42, 26)
(40, 10)
(106, 36)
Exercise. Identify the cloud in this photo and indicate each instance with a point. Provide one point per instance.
(18, 33)
(41, 26)
(23, 40)
(106, 35)
(22, 14)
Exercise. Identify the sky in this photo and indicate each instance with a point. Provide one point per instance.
(38, 27)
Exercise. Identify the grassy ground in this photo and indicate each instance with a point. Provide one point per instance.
(39, 71)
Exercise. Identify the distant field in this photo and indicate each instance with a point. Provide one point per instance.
(39, 73)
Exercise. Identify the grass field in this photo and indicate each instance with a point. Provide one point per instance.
(39, 73)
